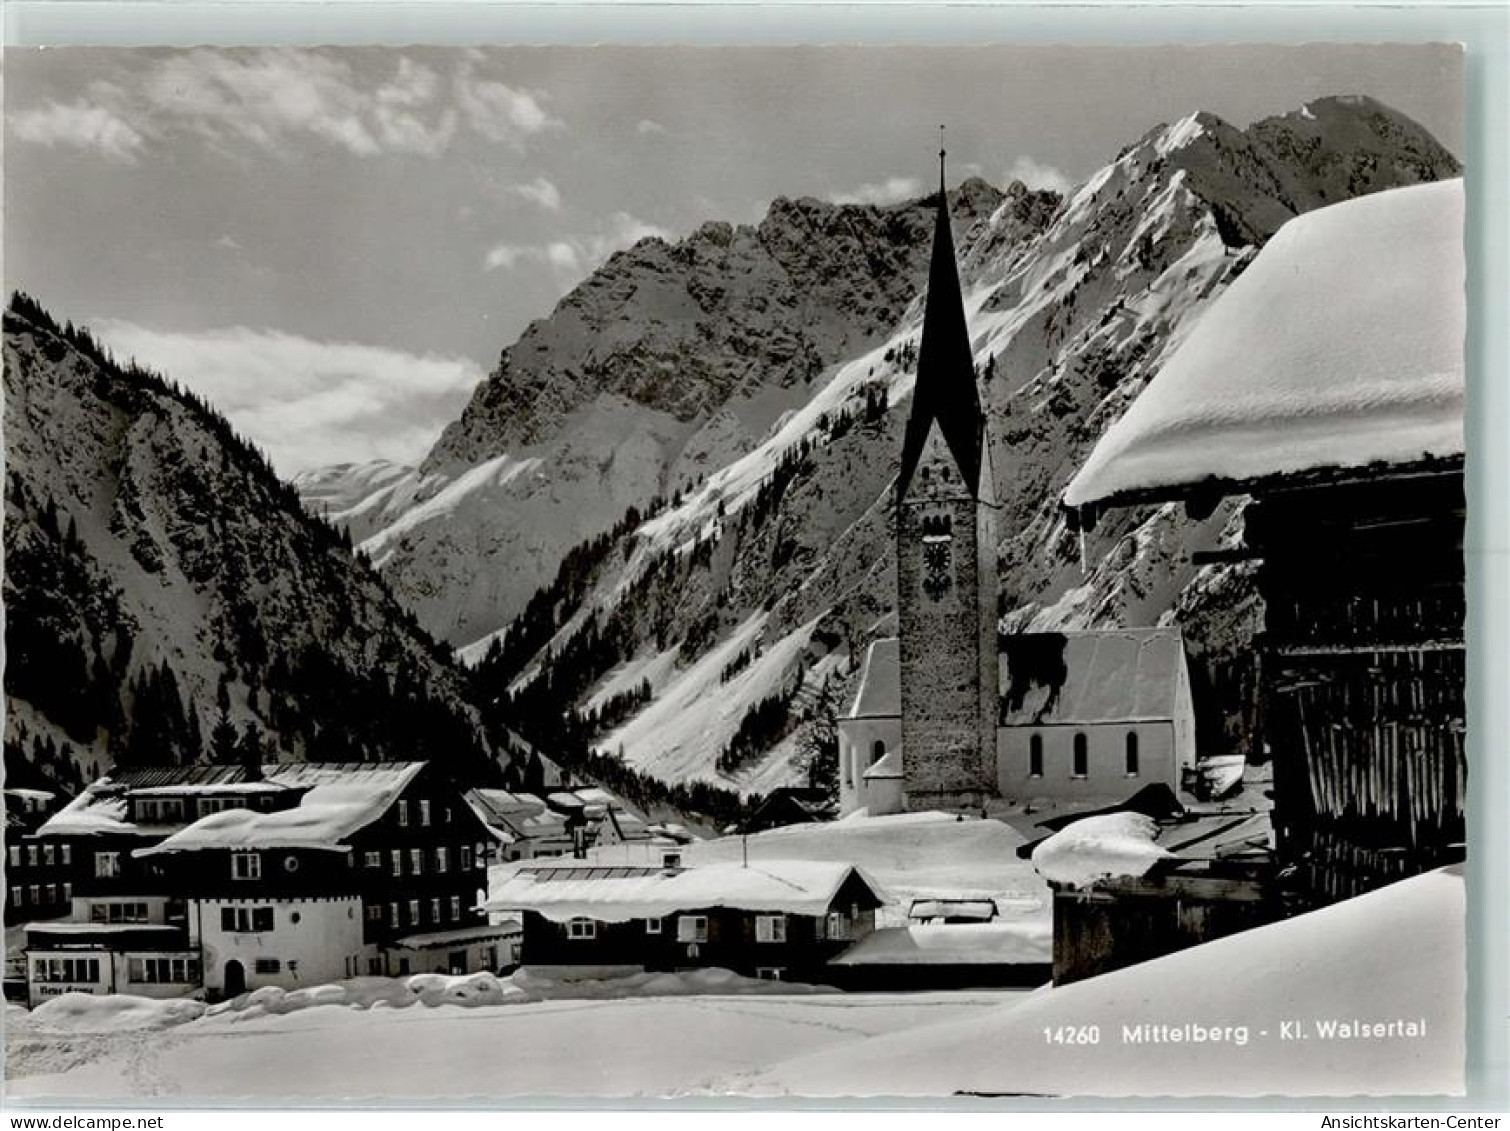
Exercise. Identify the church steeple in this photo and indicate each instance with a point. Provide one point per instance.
(945, 392)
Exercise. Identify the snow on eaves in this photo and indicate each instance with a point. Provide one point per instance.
(615, 894)
(1341, 346)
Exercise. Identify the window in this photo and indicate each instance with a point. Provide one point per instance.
(267, 966)
(67, 891)
(455, 908)
(770, 928)
(49, 855)
(416, 861)
(424, 812)
(17, 895)
(107, 865)
(1035, 756)
(582, 929)
(15, 856)
(652, 926)
(442, 859)
(67, 854)
(31, 855)
(1132, 753)
(877, 751)
(154, 811)
(246, 866)
(671, 860)
(393, 915)
(166, 971)
(403, 813)
(374, 965)
(445, 813)
(480, 853)
(414, 912)
(51, 892)
(770, 973)
(118, 912)
(466, 857)
(692, 928)
(242, 920)
(34, 893)
(1081, 765)
(74, 970)
(837, 925)
(435, 910)
(372, 859)
(374, 913)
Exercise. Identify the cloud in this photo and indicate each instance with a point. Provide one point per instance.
(889, 191)
(305, 402)
(1036, 176)
(229, 243)
(648, 127)
(572, 257)
(500, 112)
(270, 98)
(540, 191)
(79, 125)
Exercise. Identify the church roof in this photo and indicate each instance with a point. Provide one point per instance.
(880, 690)
(1056, 678)
(945, 392)
(1109, 676)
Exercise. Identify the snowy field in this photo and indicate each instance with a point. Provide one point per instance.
(577, 1048)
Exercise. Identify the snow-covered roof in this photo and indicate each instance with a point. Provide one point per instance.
(954, 908)
(1341, 346)
(341, 799)
(880, 690)
(614, 894)
(70, 927)
(459, 935)
(1107, 676)
(29, 794)
(953, 944)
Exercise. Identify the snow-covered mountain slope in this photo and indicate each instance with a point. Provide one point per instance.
(759, 573)
(165, 593)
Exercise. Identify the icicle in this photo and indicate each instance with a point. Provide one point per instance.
(1085, 568)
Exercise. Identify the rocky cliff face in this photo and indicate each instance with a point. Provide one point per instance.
(743, 391)
(168, 599)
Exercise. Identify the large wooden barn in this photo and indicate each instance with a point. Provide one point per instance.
(1327, 386)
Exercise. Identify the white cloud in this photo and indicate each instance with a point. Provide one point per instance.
(229, 243)
(272, 97)
(649, 127)
(306, 402)
(572, 257)
(540, 191)
(501, 112)
(889, 191)
(78, 125)
(1036, 176)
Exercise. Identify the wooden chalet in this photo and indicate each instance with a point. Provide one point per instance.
(780, 919)
(288, 874)
(1327, 385)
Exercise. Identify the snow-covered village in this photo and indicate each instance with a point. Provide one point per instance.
(901, 573)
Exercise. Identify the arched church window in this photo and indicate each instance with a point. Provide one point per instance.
(1035, 756)
(1082, 758)
(1132, 753)
(877, 752)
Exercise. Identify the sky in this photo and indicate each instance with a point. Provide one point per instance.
(335, 245)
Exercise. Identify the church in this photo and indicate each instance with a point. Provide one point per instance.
(952, 715)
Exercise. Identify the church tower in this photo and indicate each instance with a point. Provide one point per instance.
(946, 558)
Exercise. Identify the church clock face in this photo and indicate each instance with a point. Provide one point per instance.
(938, 572)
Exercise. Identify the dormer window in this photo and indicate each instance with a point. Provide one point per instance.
(246, 866)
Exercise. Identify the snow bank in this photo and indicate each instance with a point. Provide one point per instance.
(1096, 848)
(954, 944)
(1391, 957)
(1341, 346)
(112, 1013)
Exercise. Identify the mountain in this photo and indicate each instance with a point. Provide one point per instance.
(668, 506)
(169, 599)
